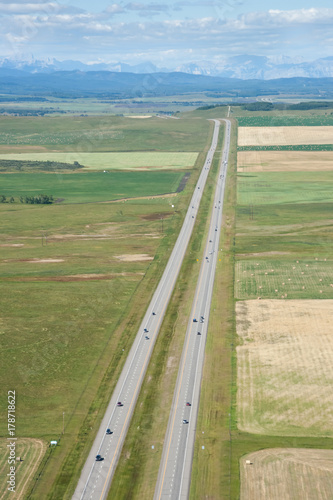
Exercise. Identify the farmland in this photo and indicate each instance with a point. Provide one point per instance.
(274, 188)
(76, 275)
(31, 452)
(274, 136)
(113, 161)
(100, 133)
(285, 367)
(284, 279)
(284, 161)
(284, 295)
(289, 473)
(91, 186)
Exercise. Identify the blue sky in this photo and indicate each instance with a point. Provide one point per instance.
(166, 32)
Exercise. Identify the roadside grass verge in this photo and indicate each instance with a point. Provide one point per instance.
(211, 462)
(138, 467)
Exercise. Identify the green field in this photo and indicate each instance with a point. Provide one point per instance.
(284, 187)
(292, 147)
(90, 186)
(275, 279)
(112, 161)
(100, 133)
(285, 119)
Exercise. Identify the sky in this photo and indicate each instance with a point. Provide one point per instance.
(168, 33)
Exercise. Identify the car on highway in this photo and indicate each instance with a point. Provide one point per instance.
(154, 313)
(188, 404)
(199, 333)
(99, 458)
(120, 403)
(145, 330)
(146, 337)
(185, 421)
(195, 320)
(109, 431)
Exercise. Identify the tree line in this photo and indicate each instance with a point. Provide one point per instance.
(40, 199)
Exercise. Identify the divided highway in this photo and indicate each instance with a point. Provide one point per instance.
(96, 476)
(176, 464)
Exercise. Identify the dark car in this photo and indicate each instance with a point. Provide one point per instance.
(120, 403)
(109, 431)
(185, 421)
(154, 314)
(188, 404)
(195, 320)
(146, 337)
(99, 458)
(199, 333)
(145, 330)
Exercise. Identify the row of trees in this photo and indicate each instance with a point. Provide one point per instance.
(40, 199)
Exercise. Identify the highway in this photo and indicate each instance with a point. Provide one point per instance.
(96, 476)
(174, 475)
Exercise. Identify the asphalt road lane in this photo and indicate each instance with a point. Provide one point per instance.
(96, 476)
(175, 469)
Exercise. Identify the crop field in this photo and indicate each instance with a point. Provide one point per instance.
(284, 161)
(274, 136)
(288, 474)
(285, 367)
(100, 133)
(31, 452)
(123, 161)
(266, 278)
(266, 188)
(91, 186)
(281, 119)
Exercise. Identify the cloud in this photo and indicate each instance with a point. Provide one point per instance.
(75, 31)
(114, 9)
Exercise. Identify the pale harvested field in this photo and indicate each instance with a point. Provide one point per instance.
(284, 161)
(31, 451)
(110, 161)
(287, 474)
(285, 367)
(283, 136)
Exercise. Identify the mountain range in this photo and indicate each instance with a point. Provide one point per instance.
(242, 67)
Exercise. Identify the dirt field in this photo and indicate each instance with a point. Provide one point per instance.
(280, 136)
(285, 367)
(284, 161)
(287, 474)
(31, 451)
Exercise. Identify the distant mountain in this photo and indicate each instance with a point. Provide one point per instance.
(243, 67)
(263, 68)
(113, 85)
(50, 65)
